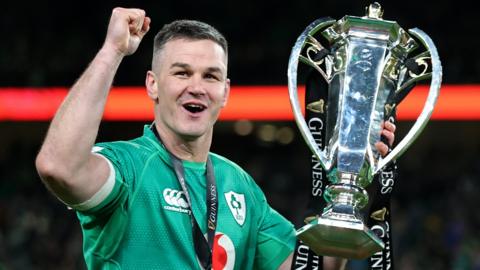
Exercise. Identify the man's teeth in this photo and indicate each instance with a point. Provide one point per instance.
(194, 108)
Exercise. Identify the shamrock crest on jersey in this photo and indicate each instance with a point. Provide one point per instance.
(236, 203)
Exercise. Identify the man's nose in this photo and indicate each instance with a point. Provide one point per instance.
(196, 86)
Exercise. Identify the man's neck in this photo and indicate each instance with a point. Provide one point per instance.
(191, 149)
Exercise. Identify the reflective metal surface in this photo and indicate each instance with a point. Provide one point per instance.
(365, 65)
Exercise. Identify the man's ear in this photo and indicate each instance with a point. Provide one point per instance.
(226, 94)
(151, 85)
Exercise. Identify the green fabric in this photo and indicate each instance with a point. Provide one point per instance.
(144, 222)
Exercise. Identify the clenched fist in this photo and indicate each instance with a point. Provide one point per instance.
(126, 29)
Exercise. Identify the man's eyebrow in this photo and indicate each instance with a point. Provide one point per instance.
(187, 66)
(180, 65)
(214, 69)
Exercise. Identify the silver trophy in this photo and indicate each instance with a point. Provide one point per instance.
(369, 64)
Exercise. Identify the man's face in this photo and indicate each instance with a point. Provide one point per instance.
(192, 85)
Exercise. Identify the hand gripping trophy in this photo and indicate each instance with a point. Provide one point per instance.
(370, 65)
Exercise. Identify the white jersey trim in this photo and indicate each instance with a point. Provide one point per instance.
(102, 193)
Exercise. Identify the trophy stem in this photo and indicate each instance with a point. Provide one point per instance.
(340, 231)
(347, 190)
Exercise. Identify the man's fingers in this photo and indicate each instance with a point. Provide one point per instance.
(388, 132)
(390, 126)
(136, 18)
(146, 25)
(389, 135)
(140, 20)
(382, 148)
(126, 29)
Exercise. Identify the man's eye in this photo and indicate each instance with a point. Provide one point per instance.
(181, 73)
(211, 76)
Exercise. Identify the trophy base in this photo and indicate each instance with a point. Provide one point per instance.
(340, 238)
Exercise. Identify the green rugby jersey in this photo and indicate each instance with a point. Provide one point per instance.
(144, 221)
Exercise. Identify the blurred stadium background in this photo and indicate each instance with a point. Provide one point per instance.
(48, 44)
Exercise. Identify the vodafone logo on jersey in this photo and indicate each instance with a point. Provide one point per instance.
(223, 252)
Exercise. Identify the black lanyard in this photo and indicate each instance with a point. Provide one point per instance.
(203, 247)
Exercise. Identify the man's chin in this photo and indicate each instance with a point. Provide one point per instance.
(191, 135)
(193, 130)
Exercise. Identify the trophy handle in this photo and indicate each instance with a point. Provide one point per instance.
(433, 93)
(293, 91)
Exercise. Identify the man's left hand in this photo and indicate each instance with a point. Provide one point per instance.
(388, 131)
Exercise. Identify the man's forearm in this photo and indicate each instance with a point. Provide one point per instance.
(74, 128)
(65, 162)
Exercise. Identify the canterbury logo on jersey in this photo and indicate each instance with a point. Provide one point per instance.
(176, 201)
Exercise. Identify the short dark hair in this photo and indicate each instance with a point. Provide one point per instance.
(189, 30)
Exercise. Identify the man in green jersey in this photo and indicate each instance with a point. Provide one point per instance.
(161, 201)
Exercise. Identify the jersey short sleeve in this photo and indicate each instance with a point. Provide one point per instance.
(276, 235)
(118, 192)
(104, 223)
